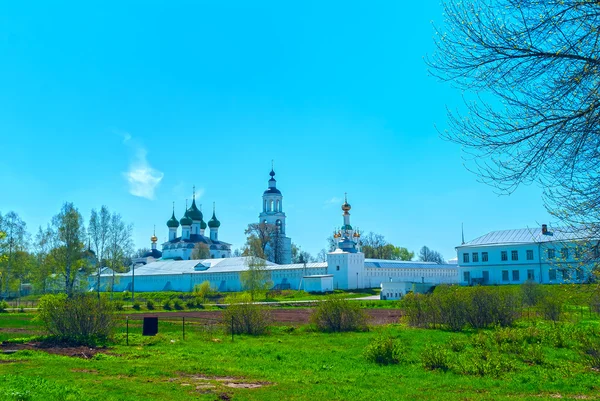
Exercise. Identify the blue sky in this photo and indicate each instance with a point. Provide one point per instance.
(130, 104)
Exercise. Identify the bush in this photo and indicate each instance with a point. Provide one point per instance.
(435, 357)
(591, 352)
(551, 308)
(82, 319)
(531, 293)
(118, 305)
(177, 304)
(137, 306)
(457, 345)
(150, 304)
(385, 351)
(4, 307)
(167, 304)
(244, 317)
(337, 314)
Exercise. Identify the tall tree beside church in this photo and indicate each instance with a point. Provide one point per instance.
(429, 255)
(15, 239)
(537, 64)
(119, 245)
(44, 267)
(68, 246)
(263, 240)
(256, 279)
(98, 230)
(200, 251)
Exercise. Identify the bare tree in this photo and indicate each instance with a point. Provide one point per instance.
(200, 251)
(42, 247)
(536, 64)
(98, 230)
(264, 241)
(429, 255)
(322, 255)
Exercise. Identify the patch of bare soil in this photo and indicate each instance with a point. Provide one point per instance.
(216, 384)
(281, 316)
(78, 352)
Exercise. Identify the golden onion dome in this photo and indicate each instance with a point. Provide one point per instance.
(153, 238)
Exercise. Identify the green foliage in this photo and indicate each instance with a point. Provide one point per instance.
(137, 306)
(203, 291)
(256, 279)
(118, 305)
(337, 314)
(150, 304)
(4, 306)
(81, 319)
(551, 307)
(531, 293)
(244, 317)
(386, 350)
(167, 304)
(178, 305)
(14, 387)
(457, 345)
(435, 357)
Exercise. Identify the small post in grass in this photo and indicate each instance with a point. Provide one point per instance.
(127, 330)
(232, 328)
(183, 326)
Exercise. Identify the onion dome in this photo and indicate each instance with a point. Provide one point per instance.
(202, 225)
(193, 212)
(154, 238)
(213, 222)
(173, 222)
(347, 227)
(346, 206)
(185, 220)
(272, 185)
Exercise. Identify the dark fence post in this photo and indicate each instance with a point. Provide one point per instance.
(127, 325)
(231, 328)
(183, 325)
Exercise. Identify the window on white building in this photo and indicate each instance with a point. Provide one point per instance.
(475, 257)
(514, 255)
(467, 276)
(530, 254)
(465, 258)
(515, 275)
(484, 256)
(504, 275)
(580, 274)
(552, 274)
(551, 253)
(564, 253)
(530, 275)
(566, 274)
(504, 256)
(486, 276)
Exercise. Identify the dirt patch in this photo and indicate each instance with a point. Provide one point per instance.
(78, 352)
(15, 330)
(91, 371)
(280, 316)
(4, 361)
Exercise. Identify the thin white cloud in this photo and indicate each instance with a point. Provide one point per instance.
(333, 201)
(141, 176)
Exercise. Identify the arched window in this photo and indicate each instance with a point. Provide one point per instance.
(277, 206)
(271, 205)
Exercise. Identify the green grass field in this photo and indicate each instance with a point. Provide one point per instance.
(534, 360)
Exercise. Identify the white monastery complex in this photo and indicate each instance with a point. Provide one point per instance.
(500, 257)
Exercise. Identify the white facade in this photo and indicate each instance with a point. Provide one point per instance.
(318, 283)
(272, 213)
(515, 256)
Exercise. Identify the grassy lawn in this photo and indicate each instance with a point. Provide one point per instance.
(289, 364)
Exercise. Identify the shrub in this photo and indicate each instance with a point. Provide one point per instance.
(591, 352)
(167, 304)
(137, 306)
(385, 351)
(203, 291)
(453, 306)
(435, 357)
(191, 303)
(483, 363)
(551, 307)
(244, 317)
(150, 304)
(534, 354)
(595, 303)
(4, 306)
(531, 293)
(177, 304)
(337, 314)
(118, 305)
(457, 345)
(82, 319)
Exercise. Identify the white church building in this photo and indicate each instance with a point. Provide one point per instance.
(346, 267)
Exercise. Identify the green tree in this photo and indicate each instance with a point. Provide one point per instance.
(43, 268)
(99, 231)
(119, 246)
(68, 239)
(15, 239)
(257, 278)
(203, 291)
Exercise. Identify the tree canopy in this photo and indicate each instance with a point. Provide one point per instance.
(534, 68)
